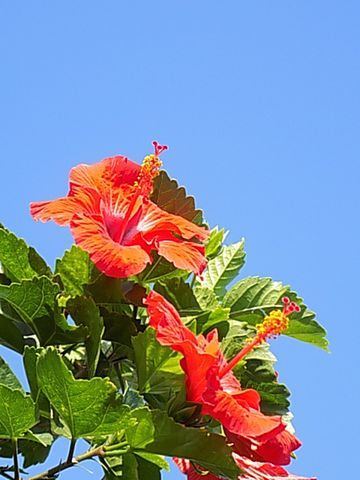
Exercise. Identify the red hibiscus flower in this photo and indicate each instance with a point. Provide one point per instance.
(112, 218)
(250, 471)
(210, 382)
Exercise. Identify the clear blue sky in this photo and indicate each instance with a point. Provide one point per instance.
(259, 102)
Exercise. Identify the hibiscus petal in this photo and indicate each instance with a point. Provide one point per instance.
(170, 331)
(110, 257)
(187, 468)
(263, 471)
(235, 415)
(113, 171)
(157, 220)
(60, 211)
(184, 255)
(63, 209)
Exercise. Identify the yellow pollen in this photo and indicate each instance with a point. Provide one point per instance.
(150, 169)
(273, 324)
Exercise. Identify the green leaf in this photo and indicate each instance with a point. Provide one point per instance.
(87, 407)
(35, 448)
(30, 358)
(17, 413)
(85, 312)
(10, 335)
(222, 269)
(75, 269)
(20, 262)
(160, 269)
(147, 468)
(157, 366)
(35, 303)
(214, 242)
(252, 296)
(155, 432)
(158, 460)
(173, 199)
(181, 295)
(7, 377)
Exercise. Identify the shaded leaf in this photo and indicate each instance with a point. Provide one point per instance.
(222, 269)
(35, 303)
(173, 199)
(84, 312)
(160, 269)
(10, 335)
(30, 358)
(252, 296)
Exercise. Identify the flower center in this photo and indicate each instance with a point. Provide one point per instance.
(143, 186)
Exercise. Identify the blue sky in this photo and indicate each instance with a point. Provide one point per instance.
(259, 102)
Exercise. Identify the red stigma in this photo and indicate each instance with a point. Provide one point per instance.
(158, 149)
(289, 306)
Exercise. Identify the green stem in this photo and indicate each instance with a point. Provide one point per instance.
(95, 452)
(115, 446)
(16, 461)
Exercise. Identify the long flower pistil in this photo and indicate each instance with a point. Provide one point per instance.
(149, 170)
(273, 324)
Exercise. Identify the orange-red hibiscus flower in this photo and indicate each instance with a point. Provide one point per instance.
(210, 382)
(250, 471)
(112, 218)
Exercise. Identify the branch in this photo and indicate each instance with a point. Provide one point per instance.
(16, 461)
(95, 452)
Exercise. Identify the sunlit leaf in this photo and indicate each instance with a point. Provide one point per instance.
(87, 407)
(19, 261)
(17, 412)
(252, 296)
(222, 269)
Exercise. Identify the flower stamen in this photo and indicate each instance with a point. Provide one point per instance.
(273, 324)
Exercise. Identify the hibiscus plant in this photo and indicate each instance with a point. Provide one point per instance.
(143, 342)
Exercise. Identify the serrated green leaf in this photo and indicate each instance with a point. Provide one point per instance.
(84, 312)
(222, 269)
(173, 199)
(157, 366)
(156, 433)
(35, 304)
(87, 407)
(7, 376)
(252, 296)
(75, 269)
(20, 262)
(17, 413)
